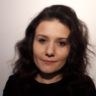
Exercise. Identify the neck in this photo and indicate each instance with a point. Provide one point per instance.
(48, 78)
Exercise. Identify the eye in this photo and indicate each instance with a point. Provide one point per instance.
(42, 40)
(62, 43)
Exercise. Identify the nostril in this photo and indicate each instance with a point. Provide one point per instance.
(50, 50)
(49, 55)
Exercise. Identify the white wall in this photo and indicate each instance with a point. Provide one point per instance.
(16, 14)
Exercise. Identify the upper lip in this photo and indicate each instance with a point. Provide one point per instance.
(49, 60)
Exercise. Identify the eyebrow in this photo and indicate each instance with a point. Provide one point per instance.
(59, 38)
(40, 35)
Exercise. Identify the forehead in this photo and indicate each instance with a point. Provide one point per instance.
(52, 28)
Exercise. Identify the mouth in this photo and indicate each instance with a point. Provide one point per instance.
(49, 61)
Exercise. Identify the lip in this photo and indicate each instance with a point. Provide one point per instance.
(49, 61)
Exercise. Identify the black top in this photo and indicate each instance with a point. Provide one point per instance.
(70, 85)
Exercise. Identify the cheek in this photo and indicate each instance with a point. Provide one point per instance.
(36, 52)
(37, 49)
(63, 54)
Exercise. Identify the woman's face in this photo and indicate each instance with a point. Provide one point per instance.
(50, 46)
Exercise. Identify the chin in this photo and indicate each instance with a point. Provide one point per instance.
(47, 72)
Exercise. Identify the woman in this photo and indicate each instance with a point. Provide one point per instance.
(52, 57)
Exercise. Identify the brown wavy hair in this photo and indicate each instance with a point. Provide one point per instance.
(78, 39)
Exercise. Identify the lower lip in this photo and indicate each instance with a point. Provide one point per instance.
(49, 62)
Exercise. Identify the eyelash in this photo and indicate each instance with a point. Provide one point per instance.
(41, 40)
(60, 43)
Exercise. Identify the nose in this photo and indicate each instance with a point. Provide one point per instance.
(50, 50)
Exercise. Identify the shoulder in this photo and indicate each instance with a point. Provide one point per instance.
(17, 80)
(79, 78)
(16, 85)
(12, 79)
(10, 86)
(82, 85)
(85, 81)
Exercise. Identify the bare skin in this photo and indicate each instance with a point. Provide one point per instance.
(50, 49)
